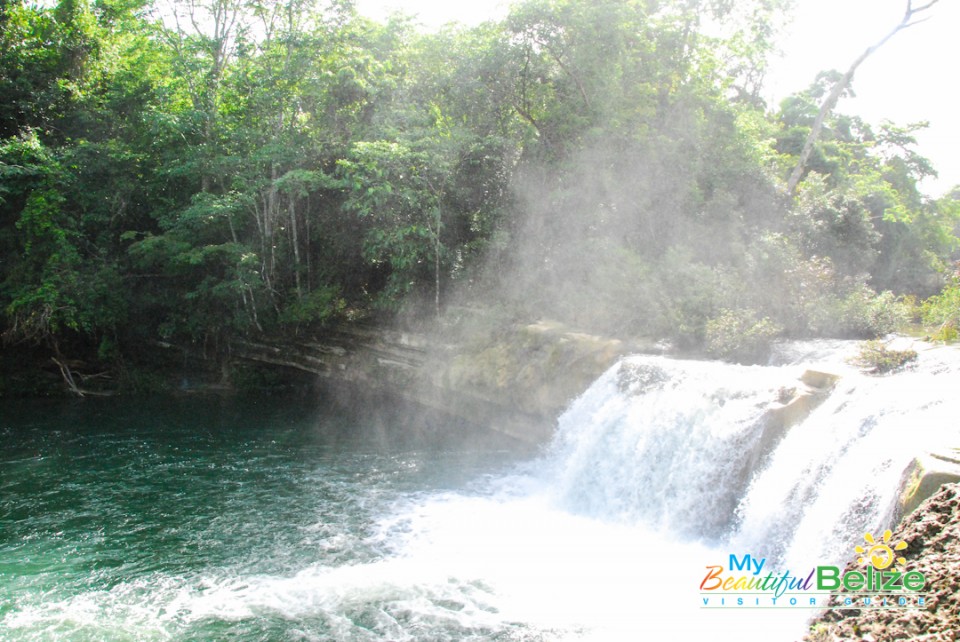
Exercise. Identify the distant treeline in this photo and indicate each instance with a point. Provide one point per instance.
(197, 170)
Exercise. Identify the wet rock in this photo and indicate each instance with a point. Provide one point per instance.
(639, 378)
(792, 406)
(925, 475)
(819, 380)
(534, 370)
(515, 379)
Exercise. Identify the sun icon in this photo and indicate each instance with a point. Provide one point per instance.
(880, 554)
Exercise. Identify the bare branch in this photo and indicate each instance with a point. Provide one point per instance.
(72, 384)
(834, 96)
(912, 10)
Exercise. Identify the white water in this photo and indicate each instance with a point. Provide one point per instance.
(655, 473)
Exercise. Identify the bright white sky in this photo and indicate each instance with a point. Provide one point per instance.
(911, 78)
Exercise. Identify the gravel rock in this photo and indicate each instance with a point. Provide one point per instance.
(932, 534)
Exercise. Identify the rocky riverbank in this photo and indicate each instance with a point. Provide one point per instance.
(932, 534)
(516, 379)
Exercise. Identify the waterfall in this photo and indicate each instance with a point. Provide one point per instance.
(685, 453)
(683, 447)
(668, 443)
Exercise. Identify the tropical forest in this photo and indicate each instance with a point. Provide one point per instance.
(198, 171)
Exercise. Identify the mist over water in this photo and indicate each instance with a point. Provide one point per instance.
(255, 520)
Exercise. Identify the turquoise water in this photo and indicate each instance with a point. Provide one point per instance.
(200, 518)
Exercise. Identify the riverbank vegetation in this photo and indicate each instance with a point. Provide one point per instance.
(196, 171)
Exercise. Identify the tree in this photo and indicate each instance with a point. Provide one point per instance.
(57, 288)
(398, 190)
(246, 167)
(843, 84)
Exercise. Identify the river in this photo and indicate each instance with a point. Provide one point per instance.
(264, 518)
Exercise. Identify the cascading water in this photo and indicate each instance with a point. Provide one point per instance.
(667, 443)
(661, 468)
(680, 446)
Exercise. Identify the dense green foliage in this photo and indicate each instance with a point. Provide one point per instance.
(210, 169)
(942, 311)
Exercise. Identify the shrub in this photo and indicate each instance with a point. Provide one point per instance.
(319, 306)
(738, 335)
(943, 311)
(876, 358)
(689, 293)
(864, 313)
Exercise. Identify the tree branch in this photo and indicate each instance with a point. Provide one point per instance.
(834, 96)
(72, 384)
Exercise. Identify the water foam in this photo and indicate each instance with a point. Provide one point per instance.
(656, 472)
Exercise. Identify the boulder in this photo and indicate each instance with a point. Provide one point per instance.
(819, 380)
(794, 405)
(925, 475)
